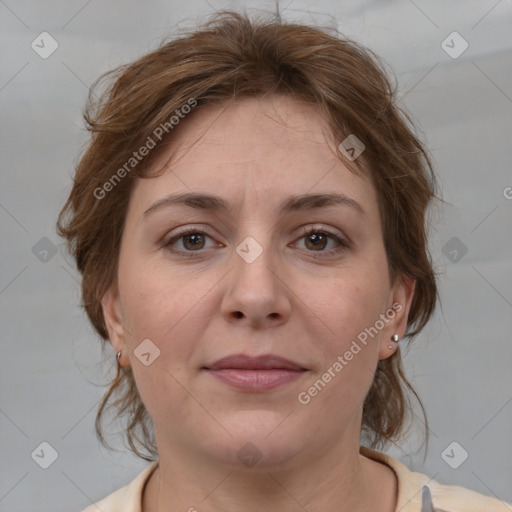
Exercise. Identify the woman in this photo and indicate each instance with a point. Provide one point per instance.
(249, 222)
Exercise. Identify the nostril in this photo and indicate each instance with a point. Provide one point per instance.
(239, 314)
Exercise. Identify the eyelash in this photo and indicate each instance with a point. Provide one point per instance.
(344, 244)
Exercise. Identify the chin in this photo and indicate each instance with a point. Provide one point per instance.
(260, 440)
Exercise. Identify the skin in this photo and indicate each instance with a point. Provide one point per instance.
(298, 300)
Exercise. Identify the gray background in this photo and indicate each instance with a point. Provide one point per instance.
(51, 369)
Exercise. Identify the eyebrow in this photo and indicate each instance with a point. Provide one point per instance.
(214, 203)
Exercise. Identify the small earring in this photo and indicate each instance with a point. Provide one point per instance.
(118, 358)
(395, 338)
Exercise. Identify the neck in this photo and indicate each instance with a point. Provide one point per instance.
(336, 480)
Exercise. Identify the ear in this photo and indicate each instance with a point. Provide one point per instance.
(114, 320)
(401, 300)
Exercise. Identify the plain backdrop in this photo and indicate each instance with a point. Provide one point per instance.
(51, 371)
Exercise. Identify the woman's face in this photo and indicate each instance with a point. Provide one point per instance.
(248, 279)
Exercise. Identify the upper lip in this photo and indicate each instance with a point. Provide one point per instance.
(245, 362)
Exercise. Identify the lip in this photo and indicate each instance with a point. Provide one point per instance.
(256, 374)
(245, 362)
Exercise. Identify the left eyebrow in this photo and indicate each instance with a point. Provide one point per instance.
(303, 202)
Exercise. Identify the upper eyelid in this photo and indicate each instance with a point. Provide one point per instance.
(304, 231)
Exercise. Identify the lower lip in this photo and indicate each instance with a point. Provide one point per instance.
(256, 380)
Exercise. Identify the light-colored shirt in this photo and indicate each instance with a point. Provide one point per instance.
(416, 492)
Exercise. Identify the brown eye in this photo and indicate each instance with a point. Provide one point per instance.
(317, 240)
(192, 241)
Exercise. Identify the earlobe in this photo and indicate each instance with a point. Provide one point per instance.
(402, 296)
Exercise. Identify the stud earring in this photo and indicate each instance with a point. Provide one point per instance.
(118, 358)
(395, 338)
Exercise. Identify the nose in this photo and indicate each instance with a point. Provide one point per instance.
(257, 292)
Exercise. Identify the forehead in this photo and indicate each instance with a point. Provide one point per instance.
(253, 150)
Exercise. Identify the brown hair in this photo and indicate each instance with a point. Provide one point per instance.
(235, 56)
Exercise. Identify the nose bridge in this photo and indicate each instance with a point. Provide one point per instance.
(255, 288)
(255, 248)
(254, 262)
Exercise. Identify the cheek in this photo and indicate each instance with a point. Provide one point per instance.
(146, 304)
(153, 310)
(349, 305)
(337, 389)
(158, 307)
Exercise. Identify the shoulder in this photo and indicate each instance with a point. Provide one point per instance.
(453, 498)
(419, 493)
(126, 499)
